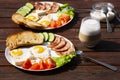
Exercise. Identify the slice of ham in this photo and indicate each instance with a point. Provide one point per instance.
(51, 8)
(64, 48)
(39, 6)
(71, 48)
(55, 7)
(60, 45)
(55, 42)
(47, 6)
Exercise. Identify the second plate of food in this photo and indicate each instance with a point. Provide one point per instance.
(44, 15)
(38, 51)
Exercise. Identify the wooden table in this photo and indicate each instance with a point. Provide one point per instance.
(108, 50)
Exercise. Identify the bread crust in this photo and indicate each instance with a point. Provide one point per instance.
(24, 38)
(21, 20)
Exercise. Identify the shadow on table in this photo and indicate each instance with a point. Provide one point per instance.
(114, 23)
(66, 68)
(66, 27)
(107, 46)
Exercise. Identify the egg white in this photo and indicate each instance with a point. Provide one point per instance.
(18, 60)
(44, 54)
(34, 14)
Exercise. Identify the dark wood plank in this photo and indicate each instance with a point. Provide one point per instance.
(67, 31)
(78, 73)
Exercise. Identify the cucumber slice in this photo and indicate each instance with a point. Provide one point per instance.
(29, 5)
(45, 36)
(27, 9)
(41, 35)
(21, 12)
(51, 37)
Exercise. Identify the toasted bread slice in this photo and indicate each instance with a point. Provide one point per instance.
(32, 24)
(24, 38)
(21, 20)
(18, 18)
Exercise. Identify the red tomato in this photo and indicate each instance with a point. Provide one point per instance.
(58, 23)
(67, 17)
(35, 66)
(42, 64)
(53, 24)
(64, 18)
(27, 64)
(50, 63)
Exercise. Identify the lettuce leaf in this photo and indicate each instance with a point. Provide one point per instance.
(60, 61)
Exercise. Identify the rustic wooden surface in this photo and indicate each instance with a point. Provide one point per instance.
(108, 50)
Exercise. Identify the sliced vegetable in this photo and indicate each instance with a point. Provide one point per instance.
(53, 24)
(42, 64)
(41, 35)
(45, 36)
(25, 9)
(66, 9)
(51, 37)
(29, 5)
(27, 64)
(22, 12)
(64, 17)
(35, 66)
(50, 63)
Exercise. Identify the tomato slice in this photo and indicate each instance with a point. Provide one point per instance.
(53, 24)
(50, 63)
(58, 23)
(42, 64)
(64, 18)
(35, 66)
(27, 64)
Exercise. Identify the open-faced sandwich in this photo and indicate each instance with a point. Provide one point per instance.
(43, 15)
(38, 51)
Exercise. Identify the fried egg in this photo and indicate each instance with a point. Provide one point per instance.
(19, 55)
(45, 20)
(33, 16)
(40, 51)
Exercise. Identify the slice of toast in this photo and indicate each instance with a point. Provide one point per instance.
(21, 20)
(18, 18)
(24, 38)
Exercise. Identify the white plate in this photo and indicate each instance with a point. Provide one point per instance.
(48, 28)
(10, 60)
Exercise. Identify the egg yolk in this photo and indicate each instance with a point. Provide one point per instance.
(45, 22)
(40, 49)
(16, 52)
(31, 17)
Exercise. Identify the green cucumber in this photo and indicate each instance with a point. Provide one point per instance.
(41, 35)
(27, 9)
(51, 37)
(29, 5)
(45, 36)
(20, 11)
